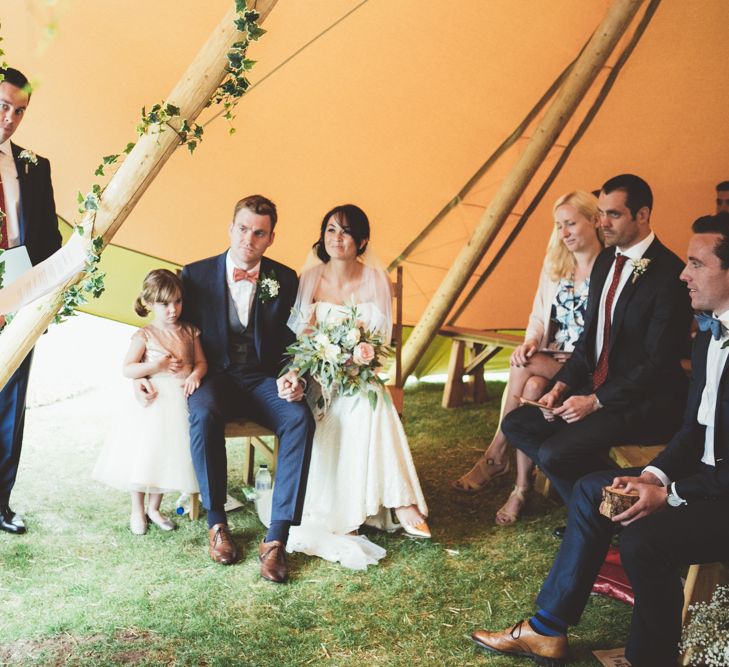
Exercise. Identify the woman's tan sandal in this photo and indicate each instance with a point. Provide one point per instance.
(486, 469)
(507, 517)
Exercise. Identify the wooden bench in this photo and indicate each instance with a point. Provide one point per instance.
(470, 351)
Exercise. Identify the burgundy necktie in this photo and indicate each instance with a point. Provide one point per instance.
(242, 274)
(4, 242)
(601, 369)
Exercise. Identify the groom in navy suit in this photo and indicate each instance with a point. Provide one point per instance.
(681, 514)
(28, 218)
(241, 301)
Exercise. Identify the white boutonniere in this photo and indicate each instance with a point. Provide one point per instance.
(268, 287)
(29, 157)
(640, 266)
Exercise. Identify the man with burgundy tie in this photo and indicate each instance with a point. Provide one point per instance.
(241, 302)
(624, 382)
(680, 516)
(28, 219)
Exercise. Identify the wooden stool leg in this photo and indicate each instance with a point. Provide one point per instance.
(701, 581)
(194, 506)
(480, 394)
(453, 392)
(542, 484)
(248, 454)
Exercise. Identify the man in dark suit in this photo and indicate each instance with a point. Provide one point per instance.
(28, 218)
(241, 301)
(681, 514)
(624, 381)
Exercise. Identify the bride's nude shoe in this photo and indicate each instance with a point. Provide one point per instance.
(419, 530)
(489, 470)
(416, 526)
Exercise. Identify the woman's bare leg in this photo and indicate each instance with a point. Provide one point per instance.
(509, 513)
(494, 462)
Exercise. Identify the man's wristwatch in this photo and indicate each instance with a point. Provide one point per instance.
(672, 498)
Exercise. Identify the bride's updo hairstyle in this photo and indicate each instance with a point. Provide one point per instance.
(349, 217)
(160, 286)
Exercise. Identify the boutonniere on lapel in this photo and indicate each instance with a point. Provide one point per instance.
(29, 157)
(640, 266)
(268, 287)
(724, 334)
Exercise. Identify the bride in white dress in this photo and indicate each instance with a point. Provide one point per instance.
(361, 466)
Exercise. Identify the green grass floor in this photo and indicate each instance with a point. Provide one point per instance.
(79, 589)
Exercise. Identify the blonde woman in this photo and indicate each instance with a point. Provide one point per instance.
(555, 324)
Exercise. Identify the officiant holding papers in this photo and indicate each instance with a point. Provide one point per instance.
(28, 223)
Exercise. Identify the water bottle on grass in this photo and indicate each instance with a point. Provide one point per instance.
(183, 504)
(264, 494)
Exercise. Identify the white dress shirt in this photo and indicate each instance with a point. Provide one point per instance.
(716, 358)
(242, 291)
(11, 189)
(634, 252)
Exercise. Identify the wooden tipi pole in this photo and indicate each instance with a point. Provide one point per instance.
(191, 95)
(583, 73)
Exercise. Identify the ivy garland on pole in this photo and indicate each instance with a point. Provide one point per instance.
(158, 119)
(3, 65)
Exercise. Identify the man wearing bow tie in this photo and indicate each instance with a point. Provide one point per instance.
(683, 498)
(241, 301)
(28, 219)
(624, 382)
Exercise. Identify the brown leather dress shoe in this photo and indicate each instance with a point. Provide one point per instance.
(222, 547)
(523, 640)
(272, 557)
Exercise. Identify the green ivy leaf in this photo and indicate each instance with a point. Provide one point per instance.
(129, 147)
(254, 32)
(99, 170)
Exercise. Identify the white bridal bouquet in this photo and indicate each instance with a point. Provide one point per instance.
(342, 355)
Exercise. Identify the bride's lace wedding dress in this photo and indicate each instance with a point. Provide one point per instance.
(361, 467)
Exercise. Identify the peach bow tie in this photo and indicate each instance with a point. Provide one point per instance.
(242, 274)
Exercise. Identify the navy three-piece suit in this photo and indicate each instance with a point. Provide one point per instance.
(39, 233)
(230, 390)
(654, 550)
